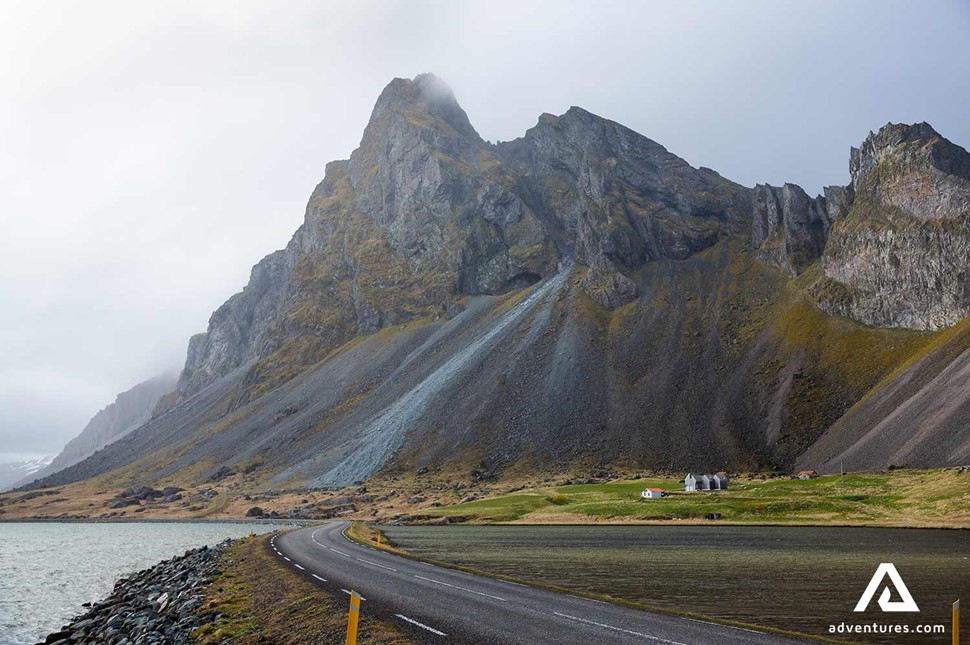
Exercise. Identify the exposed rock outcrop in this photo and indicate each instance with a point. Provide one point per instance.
(789, 228)
(901, 256)
(614, 200)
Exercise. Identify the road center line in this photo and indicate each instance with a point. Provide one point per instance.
(374, 564)
(421, 625)
(438, 582)
(618, 629)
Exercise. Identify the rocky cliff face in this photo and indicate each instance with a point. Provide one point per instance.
(900, 257)
(614, 200)
(789, 228)
(425, 212)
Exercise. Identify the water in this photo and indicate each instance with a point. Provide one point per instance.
(49, 569)
(797, 578)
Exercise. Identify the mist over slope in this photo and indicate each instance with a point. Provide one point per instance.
(577, 296)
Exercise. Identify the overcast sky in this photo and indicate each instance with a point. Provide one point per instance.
(153, 152)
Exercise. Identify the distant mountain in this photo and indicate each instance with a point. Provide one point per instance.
(578, 296)
(12, 473)
(130, 409)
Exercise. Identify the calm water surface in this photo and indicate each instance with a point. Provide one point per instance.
(802, 579)
(48, 570)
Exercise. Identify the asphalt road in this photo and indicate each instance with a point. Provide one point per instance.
(438, 605)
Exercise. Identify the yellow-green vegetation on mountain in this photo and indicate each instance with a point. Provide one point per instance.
(578, 297)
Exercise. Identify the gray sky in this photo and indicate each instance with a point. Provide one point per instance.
(152, 152)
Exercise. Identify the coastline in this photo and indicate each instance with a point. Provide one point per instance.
(154, 605)
(233, 591)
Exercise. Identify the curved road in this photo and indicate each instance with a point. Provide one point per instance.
(438, 605)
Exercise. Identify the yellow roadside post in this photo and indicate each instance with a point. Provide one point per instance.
(378, 540)
(352, 618)
(956, 622)
(250, 537)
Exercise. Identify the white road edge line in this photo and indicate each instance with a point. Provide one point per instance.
(618, 629)
(375, 564)
(348, 593)
(421, 625)
(707, 622)
(438, 582)
(287, 559)
(298, 567)
(318, 577)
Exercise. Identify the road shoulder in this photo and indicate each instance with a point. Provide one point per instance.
(263, 601)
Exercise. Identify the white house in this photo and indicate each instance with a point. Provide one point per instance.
(652, 493)
(693, 483)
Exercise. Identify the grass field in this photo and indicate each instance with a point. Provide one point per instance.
(919, 498)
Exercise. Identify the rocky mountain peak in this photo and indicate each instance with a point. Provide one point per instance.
(900, 256)
(415, 153)
(424, 102)
(915, 169)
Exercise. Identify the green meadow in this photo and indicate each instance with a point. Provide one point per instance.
(919, 498)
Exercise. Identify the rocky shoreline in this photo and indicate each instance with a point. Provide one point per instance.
(156, 605)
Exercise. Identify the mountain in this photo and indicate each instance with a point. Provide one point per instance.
(578, 296)
(130, 410)
(11, 473)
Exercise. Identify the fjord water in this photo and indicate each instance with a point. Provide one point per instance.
(49, 569)
(795, 578)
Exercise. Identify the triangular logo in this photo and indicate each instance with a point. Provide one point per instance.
(887, 569)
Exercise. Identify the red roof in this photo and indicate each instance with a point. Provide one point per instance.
(806, 472)
(656, 490)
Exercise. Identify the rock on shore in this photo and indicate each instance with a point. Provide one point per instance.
(156, 605)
